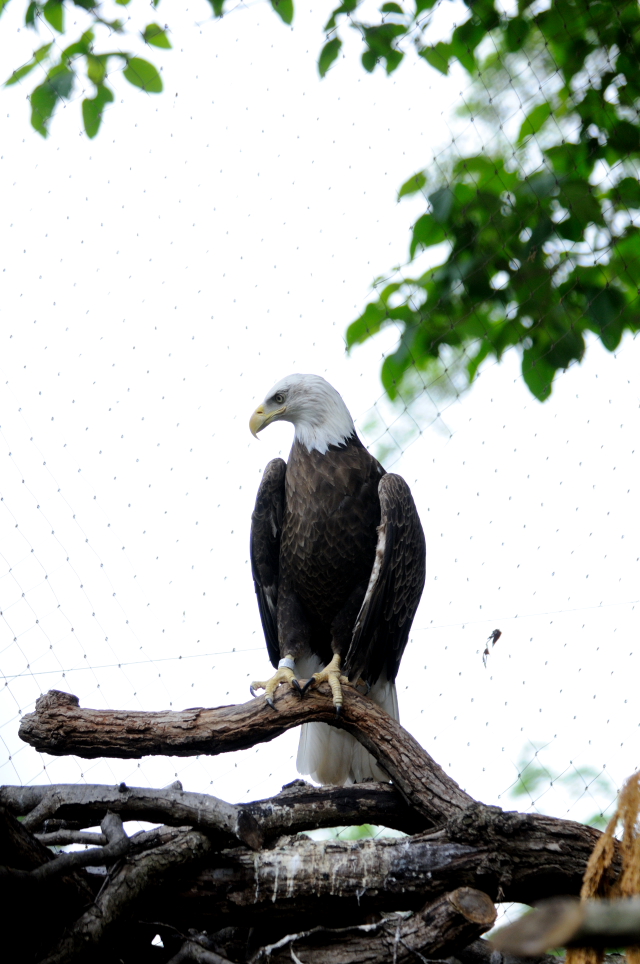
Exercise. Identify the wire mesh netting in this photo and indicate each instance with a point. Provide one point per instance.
(160, 278)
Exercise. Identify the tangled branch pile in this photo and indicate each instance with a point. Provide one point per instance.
(221, 883)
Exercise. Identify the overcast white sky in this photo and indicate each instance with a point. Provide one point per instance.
(156, 282)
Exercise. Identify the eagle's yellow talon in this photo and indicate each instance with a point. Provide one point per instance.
(332, 675)
(282, 675)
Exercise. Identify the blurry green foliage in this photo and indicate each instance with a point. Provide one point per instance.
(576, 782)
(539, 241)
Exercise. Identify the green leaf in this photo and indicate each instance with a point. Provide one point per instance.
(328, 55)
(92, 109)
(284, 9)
(606, 308)
(537, 372)
(413, 185)
(516, 33)
(438, 56)
(534, 121)
(155, 34)
(125, 3)
(60, 79)
(54, 13)
(21, 72)
(3, 4)
(369, 323)
(30, 15)
(96, 69)
(426, 232)
(348, 6)
(142, 74)
(218, 7)
(391, 8)
(43, 100)
(626, 192)
(442, 203)
(577, 195)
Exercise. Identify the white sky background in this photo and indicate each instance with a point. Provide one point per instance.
(157, 281)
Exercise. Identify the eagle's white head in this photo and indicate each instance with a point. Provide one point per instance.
(315, 408)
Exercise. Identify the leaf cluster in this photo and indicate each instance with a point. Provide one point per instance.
(540, 239)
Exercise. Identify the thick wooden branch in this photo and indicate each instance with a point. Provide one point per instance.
(85, 804)
(512, 856)
(298, 807)
(572, 923)
(139, 875)
(60, 726)
(438, 930)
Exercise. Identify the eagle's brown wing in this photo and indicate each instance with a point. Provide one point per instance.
(397, 579)
(266, 528)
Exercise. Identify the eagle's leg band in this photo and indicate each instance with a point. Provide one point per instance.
(284, 674)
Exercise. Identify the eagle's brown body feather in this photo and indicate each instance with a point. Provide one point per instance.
(317, 530)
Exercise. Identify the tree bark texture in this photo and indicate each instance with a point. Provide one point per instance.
(242, 876)
(298, 807)
(61, 727)
(441, 926)
(510, 856)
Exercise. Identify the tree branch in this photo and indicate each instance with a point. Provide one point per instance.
(84, 804)
(298, 807)
(139, 874)
(440, 928)
(512, 856)
(571, 923)
(60, 726)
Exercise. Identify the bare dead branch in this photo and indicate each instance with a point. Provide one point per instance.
(116, 847)
(193, 951)
(299, 806)
(138, 875)
(435, 931)
(563, 922)
(85, 803)
(60, 726)
(61, 838)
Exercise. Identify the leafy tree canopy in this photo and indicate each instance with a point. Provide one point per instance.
(538, 237)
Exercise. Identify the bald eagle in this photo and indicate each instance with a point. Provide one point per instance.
(338, 562)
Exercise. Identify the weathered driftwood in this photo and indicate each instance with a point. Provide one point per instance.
(67, 808)
(438, 929)
(562, 922)
(60, 726)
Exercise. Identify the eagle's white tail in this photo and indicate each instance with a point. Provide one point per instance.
(332, 756)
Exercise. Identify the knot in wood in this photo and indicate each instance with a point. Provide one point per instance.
(480, 825)
(54, 698)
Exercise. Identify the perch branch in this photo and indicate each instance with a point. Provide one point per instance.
(60, 726)
(563, 922)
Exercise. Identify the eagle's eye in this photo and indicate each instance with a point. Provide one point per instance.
(278, 398)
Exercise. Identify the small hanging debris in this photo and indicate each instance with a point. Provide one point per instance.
(493, 639)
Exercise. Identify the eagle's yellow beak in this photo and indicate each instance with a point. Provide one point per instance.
(260, 419)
